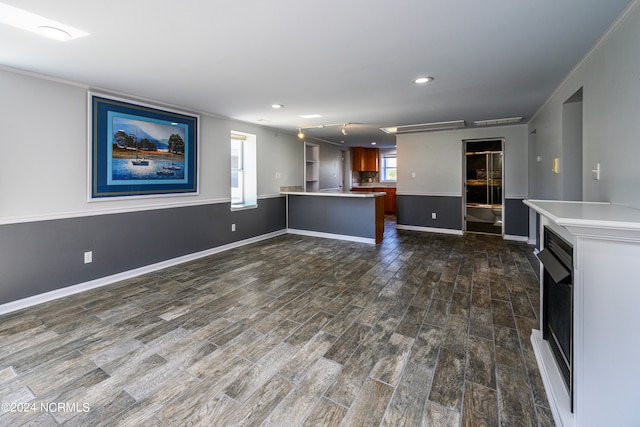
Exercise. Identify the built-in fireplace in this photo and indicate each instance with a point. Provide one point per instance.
(557, 303)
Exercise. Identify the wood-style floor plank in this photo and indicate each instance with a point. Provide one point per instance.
(421, 330)
(368, 408)
(480, 406)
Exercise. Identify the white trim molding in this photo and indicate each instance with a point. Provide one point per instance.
(517, 238)
(552, 379)
(108, 211)
(331, 236)
(429, 229)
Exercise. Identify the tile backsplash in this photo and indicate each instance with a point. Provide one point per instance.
(365, 177)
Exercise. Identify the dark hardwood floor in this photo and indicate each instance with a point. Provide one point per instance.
(423, 329)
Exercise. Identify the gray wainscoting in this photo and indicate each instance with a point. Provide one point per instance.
(38, 257)
(348, 216)
(416, 211)
(516, 221)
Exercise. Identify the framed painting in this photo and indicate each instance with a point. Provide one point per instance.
(138, 150)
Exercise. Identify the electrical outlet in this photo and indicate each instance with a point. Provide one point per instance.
(413, 174)
(433, 215)
(233, 227)
(88, 257)
(596, 172)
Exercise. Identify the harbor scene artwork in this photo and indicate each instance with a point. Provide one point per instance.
(138, 150)
(146, 150)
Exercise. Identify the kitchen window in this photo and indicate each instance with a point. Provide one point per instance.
(244, 183)
(389, 167)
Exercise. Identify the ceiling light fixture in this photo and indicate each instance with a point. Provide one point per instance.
(373, 143)
(277, 106)
(310, 116)
(425, 127)
(422, 80)
(344, 128)
(28, 21)
(54, 33)
(494, 122)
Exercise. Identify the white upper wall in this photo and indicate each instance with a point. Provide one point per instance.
(44, 154)
(610, 78)
(436, 158)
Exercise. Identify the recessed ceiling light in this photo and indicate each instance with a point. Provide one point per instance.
(277, 106)
(423, 80)
(24, 20)
(373, 143)
(54, 33)
(311, 116)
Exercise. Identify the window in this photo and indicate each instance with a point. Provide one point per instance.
(389, 168)
(244, 183)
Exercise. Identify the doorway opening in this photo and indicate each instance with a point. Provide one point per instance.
(571, 169)
(483, 186)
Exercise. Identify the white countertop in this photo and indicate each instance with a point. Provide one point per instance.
(374, 185)
(334, 193)
(579, 216)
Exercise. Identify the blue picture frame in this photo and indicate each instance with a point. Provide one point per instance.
(139, 150)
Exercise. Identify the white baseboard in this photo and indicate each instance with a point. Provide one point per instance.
(429, 229)
(553, 383)
(103, 281)
(516, 238)
(331, 236)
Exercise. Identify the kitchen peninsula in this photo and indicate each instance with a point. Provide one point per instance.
(389, 189)
(341, 215)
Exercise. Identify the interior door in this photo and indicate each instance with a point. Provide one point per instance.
(477, 178)
(495, 178)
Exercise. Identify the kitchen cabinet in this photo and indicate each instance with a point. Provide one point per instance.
(389, 199)
(365, 159)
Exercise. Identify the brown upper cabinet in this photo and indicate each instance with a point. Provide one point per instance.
(364, 159)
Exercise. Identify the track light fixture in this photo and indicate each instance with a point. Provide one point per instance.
(301, 134)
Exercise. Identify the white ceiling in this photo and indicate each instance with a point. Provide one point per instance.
(352, 61)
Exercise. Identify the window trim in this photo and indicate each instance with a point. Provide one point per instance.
(248, 169)
(384, 167)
